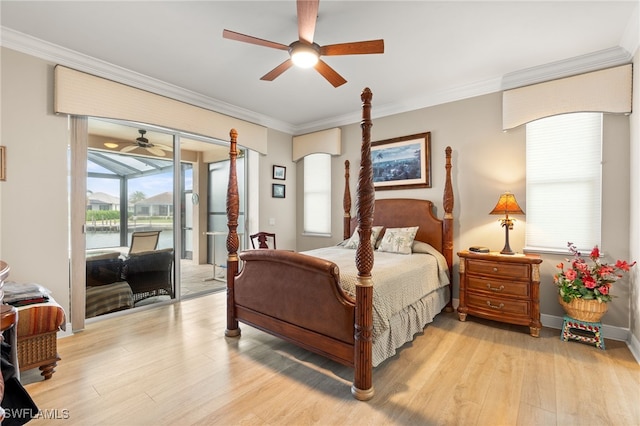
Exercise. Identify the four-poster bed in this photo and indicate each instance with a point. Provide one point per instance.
(307, 299)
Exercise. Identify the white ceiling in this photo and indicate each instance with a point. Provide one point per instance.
(435, 51)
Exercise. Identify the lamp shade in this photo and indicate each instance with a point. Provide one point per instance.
(507, 204)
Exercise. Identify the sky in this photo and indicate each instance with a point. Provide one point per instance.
(149, 185)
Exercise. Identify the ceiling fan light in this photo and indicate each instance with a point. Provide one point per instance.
(111, 145)
(304, 56)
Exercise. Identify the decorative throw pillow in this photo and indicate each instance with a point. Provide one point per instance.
(353, 242)
(398, 240)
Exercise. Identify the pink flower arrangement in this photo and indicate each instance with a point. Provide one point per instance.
(583, 281)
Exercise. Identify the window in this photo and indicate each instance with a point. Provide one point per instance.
(317, 194)
(564, 170)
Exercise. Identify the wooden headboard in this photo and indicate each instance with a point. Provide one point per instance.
(403, 212)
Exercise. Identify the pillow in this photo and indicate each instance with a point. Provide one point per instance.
(398, 240)
(353, 242)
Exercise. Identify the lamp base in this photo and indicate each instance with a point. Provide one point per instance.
(507, 248)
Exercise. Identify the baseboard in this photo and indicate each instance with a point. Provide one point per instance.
(66, 331)
(609, 331)
(634, 347)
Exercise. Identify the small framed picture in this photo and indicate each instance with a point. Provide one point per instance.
(279, 172)
(277, 190)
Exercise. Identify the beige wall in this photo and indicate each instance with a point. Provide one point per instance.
(281, 210)
(487, 162)
(34, 226)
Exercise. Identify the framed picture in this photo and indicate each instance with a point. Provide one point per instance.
(403, 162)
(277, 190)
(279, 172)
(3, 163)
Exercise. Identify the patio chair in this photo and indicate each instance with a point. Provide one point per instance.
(150, 273)
(144, 241)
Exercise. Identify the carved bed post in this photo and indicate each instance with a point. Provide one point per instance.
(233, 206)
(362, 388)
(447, 201)
(346, 204)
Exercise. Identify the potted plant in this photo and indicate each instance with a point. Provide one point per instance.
(584, 289)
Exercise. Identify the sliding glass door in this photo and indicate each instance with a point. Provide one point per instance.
(148, 209)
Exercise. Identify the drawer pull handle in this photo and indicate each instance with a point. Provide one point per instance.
(495, 288)
(495, 269)
(494, 306)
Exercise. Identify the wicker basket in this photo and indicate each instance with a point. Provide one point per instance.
(584, 310)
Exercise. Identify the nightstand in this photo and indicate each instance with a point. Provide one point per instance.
(500, 287)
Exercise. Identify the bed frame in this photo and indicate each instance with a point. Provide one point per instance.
(275, 287)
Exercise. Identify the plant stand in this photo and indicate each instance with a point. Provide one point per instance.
(582, 331)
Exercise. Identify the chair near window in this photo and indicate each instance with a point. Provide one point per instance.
(149, 273)
(144, 241)
(264, 240)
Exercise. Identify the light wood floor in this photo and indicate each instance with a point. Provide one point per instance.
(172, 365)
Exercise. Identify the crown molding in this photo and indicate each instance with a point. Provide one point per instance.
(572, 66)
(51, 52)
(567, 67)
(426, 100)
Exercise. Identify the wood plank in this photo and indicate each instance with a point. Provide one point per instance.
(172, 364)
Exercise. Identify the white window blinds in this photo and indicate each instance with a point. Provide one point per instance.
(317, 194)
(564, 170)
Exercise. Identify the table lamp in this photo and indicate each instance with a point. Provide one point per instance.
(507, 205)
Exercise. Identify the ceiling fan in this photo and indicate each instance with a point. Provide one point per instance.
(142, 142)
(305, 50)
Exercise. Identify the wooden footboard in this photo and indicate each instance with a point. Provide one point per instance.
(296, 282)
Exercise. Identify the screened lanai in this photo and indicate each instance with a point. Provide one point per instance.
(131, 188)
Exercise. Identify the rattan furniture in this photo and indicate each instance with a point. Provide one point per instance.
(37, 336)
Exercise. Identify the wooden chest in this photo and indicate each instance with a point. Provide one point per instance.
(501, 288)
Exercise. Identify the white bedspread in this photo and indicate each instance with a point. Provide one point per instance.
(401, 284)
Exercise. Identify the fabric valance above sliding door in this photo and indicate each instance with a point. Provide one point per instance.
(79, 93)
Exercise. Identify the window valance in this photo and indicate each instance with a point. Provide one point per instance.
(607, 90)
(79, 93)
(325, 141)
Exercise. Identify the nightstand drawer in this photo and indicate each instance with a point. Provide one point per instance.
(503, 270)
(497, 306)
(498, 287)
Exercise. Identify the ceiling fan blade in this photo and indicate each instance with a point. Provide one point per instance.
(163, 147)
(155, 151)
(271, 75)
(355, 48)
(128, 148)
(307, 16)
(232, 35)
(329, 73)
